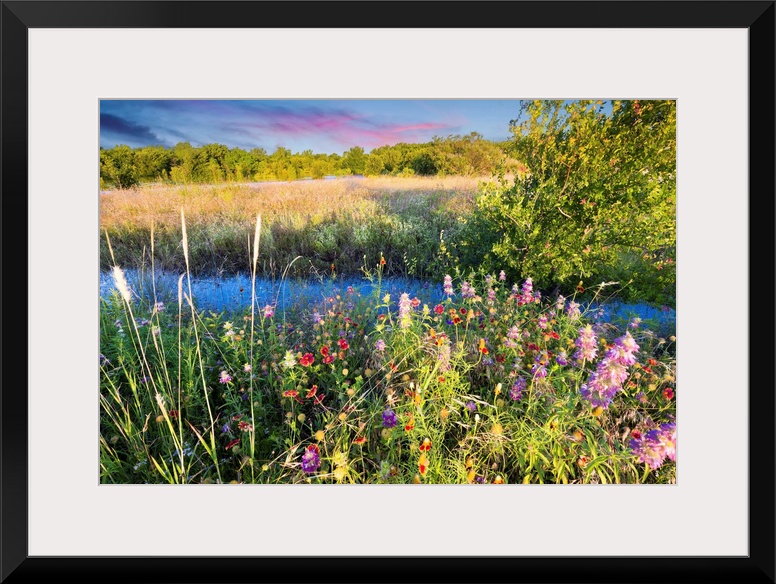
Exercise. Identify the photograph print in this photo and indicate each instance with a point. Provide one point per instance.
(387, 291)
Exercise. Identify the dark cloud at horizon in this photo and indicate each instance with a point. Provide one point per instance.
(119, 127)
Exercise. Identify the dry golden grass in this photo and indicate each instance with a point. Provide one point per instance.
(305, 201)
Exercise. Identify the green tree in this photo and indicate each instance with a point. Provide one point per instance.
(597, 200)
(374, 165)
(355, 160)
(118, 165)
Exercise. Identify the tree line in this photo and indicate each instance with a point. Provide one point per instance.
(469, 155)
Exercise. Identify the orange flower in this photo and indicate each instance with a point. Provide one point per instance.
(498, 480)
(360, 440)
(312, 391)
(426, 445)
(290, 393)
(410, 425)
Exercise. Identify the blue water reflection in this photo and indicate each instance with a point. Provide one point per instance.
(233, 293)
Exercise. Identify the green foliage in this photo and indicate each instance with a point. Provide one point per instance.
(215, 163)
(597, 199)
(118, 166)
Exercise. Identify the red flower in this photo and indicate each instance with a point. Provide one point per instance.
(328, 359)
(312, 391)
(426, 445)
(555, 335)
(652, 362)
(324, 350)
(382, 261)
(307, 359)
(343, 344)
(500, 358)
(423, 464)
(318, 400)
(234, 442)
(463, 311)
(456, 320)
(290, 393)
(439, 309)
(415, 302)
(173, 414)
(360, 440)
(668, 393)
(636, 434)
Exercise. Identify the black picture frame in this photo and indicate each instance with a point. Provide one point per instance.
(19, 16)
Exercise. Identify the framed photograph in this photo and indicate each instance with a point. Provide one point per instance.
(179, 120)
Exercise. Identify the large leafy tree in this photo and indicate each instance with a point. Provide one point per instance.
(596, 198)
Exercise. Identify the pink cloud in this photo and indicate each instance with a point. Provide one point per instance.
(346, 128)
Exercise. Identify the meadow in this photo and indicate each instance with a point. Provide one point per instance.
(475, 377)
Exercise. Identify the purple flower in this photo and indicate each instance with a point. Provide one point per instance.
(542, 322)
(389, 418)
(491, 295)
(225, 429)
(561, 358)
(572, 311)
(224, 377)
(317, 318)
(635, 322)
(311, 461)
(668, 439)
(649, 449)
(269, 311)
(448, 285)
(517, 389)
(405, 307)
(539, 370)
(467, 291)
(527, 291)
(380, 345)
(104, 360)
(586, 343)
(502, 276)
(471, 406)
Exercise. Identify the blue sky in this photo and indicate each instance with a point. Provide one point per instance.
(323, 126)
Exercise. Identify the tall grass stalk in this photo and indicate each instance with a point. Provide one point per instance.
(211, 450)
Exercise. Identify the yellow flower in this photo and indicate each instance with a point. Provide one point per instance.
(497, 429)
(339, 459)
(319, 435)
(340, 472)
(597, 411)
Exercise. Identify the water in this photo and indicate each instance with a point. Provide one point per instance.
(234, 293)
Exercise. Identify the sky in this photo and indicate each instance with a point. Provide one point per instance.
(323, 126)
